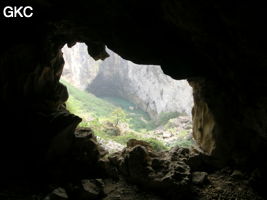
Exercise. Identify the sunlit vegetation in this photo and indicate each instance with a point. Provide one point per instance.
(114, 119)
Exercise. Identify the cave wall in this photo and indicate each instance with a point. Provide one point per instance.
(219, 46)
(229, 122)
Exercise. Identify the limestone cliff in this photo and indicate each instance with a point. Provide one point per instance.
(80, 68)
(144, 85)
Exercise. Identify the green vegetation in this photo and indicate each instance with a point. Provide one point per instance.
(162, 120)
(182, 139)
(165, 117)
(118, 116)
(138, 119)
(156, 144)
(119, 120)
(84, 102)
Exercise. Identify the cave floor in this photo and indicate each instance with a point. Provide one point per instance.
(224, 185)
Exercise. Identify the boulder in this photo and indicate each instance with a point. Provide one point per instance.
(154, 171)
(88, 189)
(81, 160)
(134, 142)
(110, 129)
(166, 134)
(199, 178)
(237, 174)
(94, 188)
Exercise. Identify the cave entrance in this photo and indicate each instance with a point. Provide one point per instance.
(120, 100)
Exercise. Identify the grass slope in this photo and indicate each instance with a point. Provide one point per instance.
(84, 102)
(96, 111)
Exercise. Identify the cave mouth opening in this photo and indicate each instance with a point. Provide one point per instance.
(120, 100)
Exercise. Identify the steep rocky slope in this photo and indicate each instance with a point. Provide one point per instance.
(144, 85)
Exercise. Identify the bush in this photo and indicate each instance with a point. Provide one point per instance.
(123, 139)
(95, 123)
(118, 116)
(156, 144)
(182, 143)
(165, 117)
(83, 124)
(113, 131)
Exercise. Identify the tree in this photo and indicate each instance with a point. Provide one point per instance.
(118, 115)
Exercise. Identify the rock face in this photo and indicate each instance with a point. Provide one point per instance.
(216, 134)
(80, 68)
(144, 85)
(70, 158)
(204, 126)
(165, 172)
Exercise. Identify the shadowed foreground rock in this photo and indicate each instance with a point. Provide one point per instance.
(165, 172)
(81, 160)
